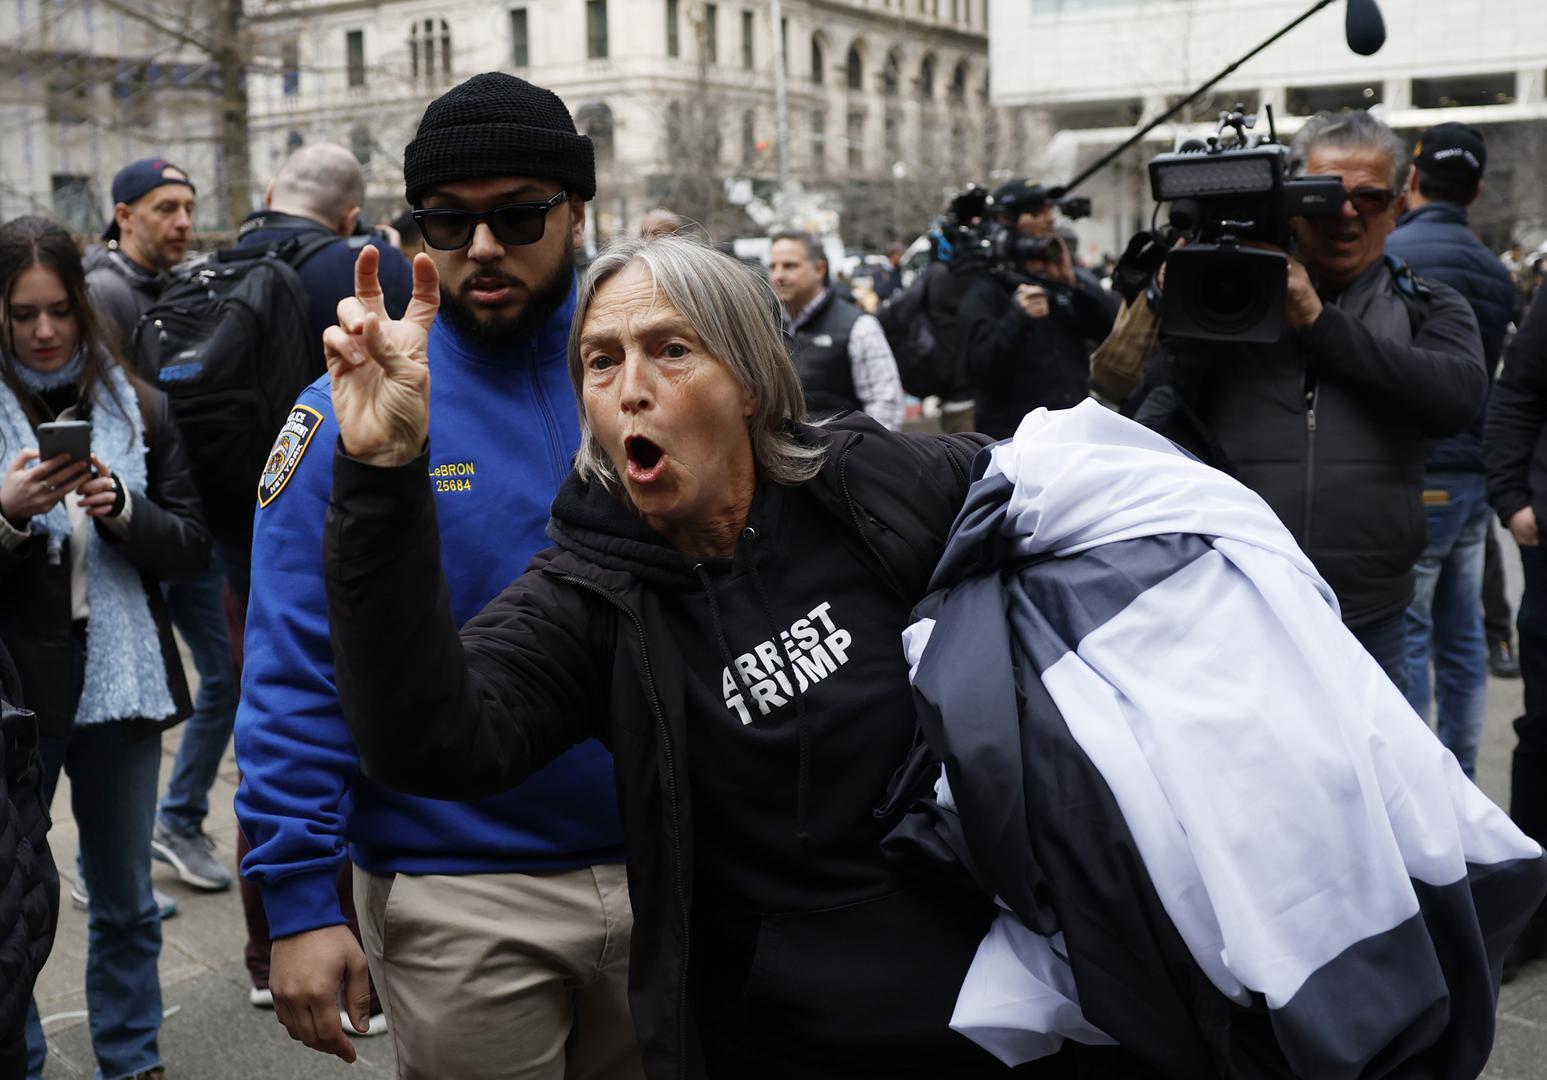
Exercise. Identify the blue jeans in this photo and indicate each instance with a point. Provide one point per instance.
(113, 770)
(1387, 643)
(1445, 621)
(198, 612)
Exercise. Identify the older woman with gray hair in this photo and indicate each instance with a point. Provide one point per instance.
(722, 608)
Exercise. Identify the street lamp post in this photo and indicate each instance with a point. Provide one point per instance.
(781, 105)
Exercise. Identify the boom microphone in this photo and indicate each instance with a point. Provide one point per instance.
(1364, 28)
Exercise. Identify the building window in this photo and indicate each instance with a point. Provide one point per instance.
(712, 33)
(890, 76)
(956, 10)
(892, 138)
(927, 79)
(69, 100)
(748, 137)
(354, 54)
(1465, 90)
(674, 126)
(818, 61)
(819, 142)
(746, 40)
(673, 43)
(784, 43)
(360, 143)
(596, 29)
(1309, 100)
(520, 41)
(429, 49)
(294, 141)
(595, 121)
(75, 202)
(856, 141)
(855, 69)
(958, 90)
(290, 67)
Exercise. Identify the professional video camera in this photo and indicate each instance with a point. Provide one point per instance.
(970, 227)
(1225, 193)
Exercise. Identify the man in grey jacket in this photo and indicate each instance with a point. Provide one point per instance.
(153, 203)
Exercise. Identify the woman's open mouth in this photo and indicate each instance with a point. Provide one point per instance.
(646, 460)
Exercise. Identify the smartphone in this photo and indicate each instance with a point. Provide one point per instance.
(71, 437)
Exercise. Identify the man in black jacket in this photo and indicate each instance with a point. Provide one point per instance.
(1331, 425)
(1445, 622)
(1026, 336)
(1516, 445)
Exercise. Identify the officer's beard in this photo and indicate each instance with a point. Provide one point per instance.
(545, 298)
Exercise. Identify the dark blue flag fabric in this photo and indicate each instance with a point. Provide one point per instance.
(1220, 836)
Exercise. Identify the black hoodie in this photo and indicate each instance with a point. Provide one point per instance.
(605, 636)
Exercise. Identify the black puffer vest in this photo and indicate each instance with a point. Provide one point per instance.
(822, 358)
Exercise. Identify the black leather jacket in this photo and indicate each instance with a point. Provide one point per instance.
(574, 649)
(1332, 425)
(166, 541)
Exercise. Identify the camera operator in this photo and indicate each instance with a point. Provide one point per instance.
(1026, 329)
(1330, 424)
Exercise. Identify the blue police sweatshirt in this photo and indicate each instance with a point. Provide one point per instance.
(502, 431)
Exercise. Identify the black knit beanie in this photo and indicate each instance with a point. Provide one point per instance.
(498, 125)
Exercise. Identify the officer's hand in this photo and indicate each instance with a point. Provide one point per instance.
(305, 973)
(378, 367)
(1032, 299)
(1522, 526)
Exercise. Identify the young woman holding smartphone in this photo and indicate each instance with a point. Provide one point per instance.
(83, 550)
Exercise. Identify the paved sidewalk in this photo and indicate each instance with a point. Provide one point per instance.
(212, 1033)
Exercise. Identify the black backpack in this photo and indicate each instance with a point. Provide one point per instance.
(230, 342)
(924, 370)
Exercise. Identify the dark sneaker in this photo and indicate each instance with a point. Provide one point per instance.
(80, 901)
(1502, 660)
(193, 857)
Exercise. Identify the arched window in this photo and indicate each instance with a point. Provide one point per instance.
(361, 143)
(429, 50)
(595, 120)
(818, 61)
(927, 78)
(891, 74)
(674, 126)
(855, 69)
(748, 137)
(958, 91)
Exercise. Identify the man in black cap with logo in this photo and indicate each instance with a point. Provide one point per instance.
(1026, 331)
(1444, 620)
(153, 203)
(497, 931)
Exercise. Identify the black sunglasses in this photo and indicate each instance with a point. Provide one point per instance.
(515, 224)
(1372, 200)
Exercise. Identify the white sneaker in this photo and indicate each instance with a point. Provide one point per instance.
(261, 999)
(376, 1026)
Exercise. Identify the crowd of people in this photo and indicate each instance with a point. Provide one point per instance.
(639, 816)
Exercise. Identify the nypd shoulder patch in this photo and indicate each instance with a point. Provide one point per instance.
(294, 437)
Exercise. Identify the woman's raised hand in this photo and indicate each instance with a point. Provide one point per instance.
(378, 368)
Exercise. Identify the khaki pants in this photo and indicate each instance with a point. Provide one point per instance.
(503, 976)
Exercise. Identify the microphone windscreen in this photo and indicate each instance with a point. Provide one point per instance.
(1364, 27)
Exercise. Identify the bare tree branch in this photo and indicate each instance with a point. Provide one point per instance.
(134, 12)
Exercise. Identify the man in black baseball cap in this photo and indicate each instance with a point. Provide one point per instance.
(153, 202)
(506, 949)
(1445, 626)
